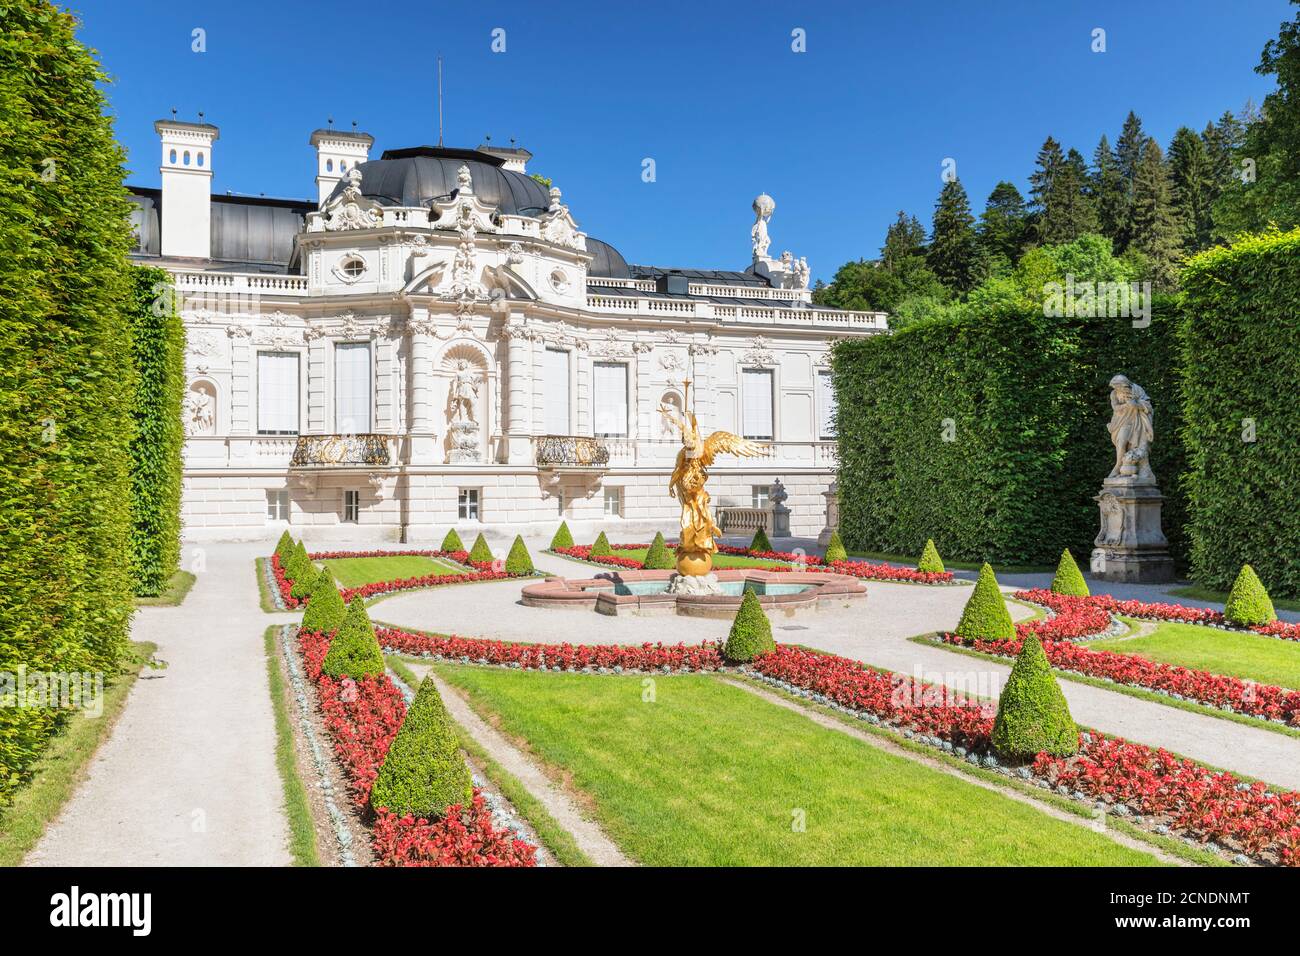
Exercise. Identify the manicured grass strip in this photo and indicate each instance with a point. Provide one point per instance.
(1197, 593)
(61, 767)
(302, 829)
(1139, 692)
(910, 561)
(710, 775)
(178, 585)
(263, 588)
(554, 837)
(1265, 660)
(356, 572)
(719, 560)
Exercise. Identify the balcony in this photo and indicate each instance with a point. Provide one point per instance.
(314, 451)
(570, 452)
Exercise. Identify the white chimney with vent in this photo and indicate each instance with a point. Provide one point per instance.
(336, 153)
(186, 187)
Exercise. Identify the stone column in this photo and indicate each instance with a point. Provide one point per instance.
(424, 449)
(832, 496)
(519, 381)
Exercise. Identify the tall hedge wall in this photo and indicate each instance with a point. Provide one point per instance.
(1240, 341)
(1025, 400)
(66, 380)
(158, 347)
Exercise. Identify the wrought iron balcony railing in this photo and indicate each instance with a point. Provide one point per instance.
(316, 450)
(571, 451)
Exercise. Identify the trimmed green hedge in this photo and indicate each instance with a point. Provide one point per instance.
(751, 632)
(451, 542)
(423, 772)
(481, 552)
(985, 615)
(600, 547)
(1248, 603)
(835, 549)
(563, 538)
(989, 433)
(325, 609)
(1033, 715)
(1241, 361)
(67, 384)
(158, 348)
(519, 561)
(930, 562)
(355, 651)
(284, 547)
(1069, 579)
(658, 557)
(759, 542)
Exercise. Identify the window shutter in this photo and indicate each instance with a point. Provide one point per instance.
(277, 393)
(610, 399)
(756, 402)
(557, 392)
(352, 388)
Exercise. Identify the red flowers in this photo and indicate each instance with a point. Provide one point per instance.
(482, 571)
(1153, 611)
(362, 718)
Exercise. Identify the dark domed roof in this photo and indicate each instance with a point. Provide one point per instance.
(608, 262)
(416, 176)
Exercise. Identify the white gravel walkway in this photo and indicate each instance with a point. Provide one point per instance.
(188, 776)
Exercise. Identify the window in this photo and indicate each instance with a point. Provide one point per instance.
(352, 388)
(277, 393)
(277, 504)
(760, 495)
(469, 504)
(756, 403)
(353, 267)
(610, 399)
(557, 392)
(351, 505)
(826, 404)
(613, 502)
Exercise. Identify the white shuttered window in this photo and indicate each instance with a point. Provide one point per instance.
(756, 403)
(611, 399)
(277, 393)
(351, 388)
(826, 404)
(557, 392)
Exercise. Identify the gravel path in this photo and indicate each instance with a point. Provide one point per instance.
(188, 776)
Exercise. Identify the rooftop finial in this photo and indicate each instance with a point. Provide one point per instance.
(440, 101)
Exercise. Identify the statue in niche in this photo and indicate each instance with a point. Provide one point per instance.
(200, 411)
(464, 392)
(1131, 429)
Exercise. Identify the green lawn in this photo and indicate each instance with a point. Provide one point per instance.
(1198, 593)
(1248, 656)
(354, 572)
(719, 560)
(710, 775)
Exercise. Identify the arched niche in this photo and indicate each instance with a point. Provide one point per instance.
(199, 408)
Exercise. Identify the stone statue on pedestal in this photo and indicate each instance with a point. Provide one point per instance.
(780, 513)
(1130, 546)
(462, 401)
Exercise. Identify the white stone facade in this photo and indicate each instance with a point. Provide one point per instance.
(457, 339)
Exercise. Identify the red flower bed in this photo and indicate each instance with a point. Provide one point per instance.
(1155, 611)
(284, 584)
(362, 718)
(676, 657)
(1207, 804)
(583, 553)
(885, 572)
(482, 571)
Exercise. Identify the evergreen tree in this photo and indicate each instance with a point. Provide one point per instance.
(1048, 167)
(1156, 231)
(1066, 207)
(1108, 191)
(953, 255)
(1194, 188)
(904, 238)
(1003, 227)
(1128, 155)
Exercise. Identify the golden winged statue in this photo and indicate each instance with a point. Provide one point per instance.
(695, 546)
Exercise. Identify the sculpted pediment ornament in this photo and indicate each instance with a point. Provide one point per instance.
(349, 209)
(759, 352)
(559, 226)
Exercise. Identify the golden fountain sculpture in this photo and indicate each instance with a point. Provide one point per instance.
(695, 546)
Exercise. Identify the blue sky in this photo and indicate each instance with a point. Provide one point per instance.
(842, 135)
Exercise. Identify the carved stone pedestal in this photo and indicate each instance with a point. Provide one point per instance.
(464, 443)
(832, 496)
(1131, 547)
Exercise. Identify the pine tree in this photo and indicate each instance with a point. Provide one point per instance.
(1067, 211)
(1128, 155)
(903, 239)
(1048, 167)
(953, 255)
(1003, 227)
(1154, 223)
(1192, 174)
(1108, 191)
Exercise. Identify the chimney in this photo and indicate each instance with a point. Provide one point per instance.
(336, 153)
(186, 187)
(515, 158)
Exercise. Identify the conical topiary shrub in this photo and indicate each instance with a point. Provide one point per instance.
(297, 562)
(1069, 579)
(283, 547)
(930, 562)
(658, 558)
(519, 561)
(1033, 716)
(835, 549)
(303, 573)
(452, 542)
(562, 539)
(325, 608)
(355, 650)
(423, 772)
(986, 615)
(1248, 603)
(481, 553)
(751, 632)
(760, 542)
(600, 548)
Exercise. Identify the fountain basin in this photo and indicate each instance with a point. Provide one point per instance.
(619, 592)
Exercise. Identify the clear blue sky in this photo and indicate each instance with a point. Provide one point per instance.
(842, 136)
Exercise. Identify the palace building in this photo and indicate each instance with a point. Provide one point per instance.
(434, 341)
